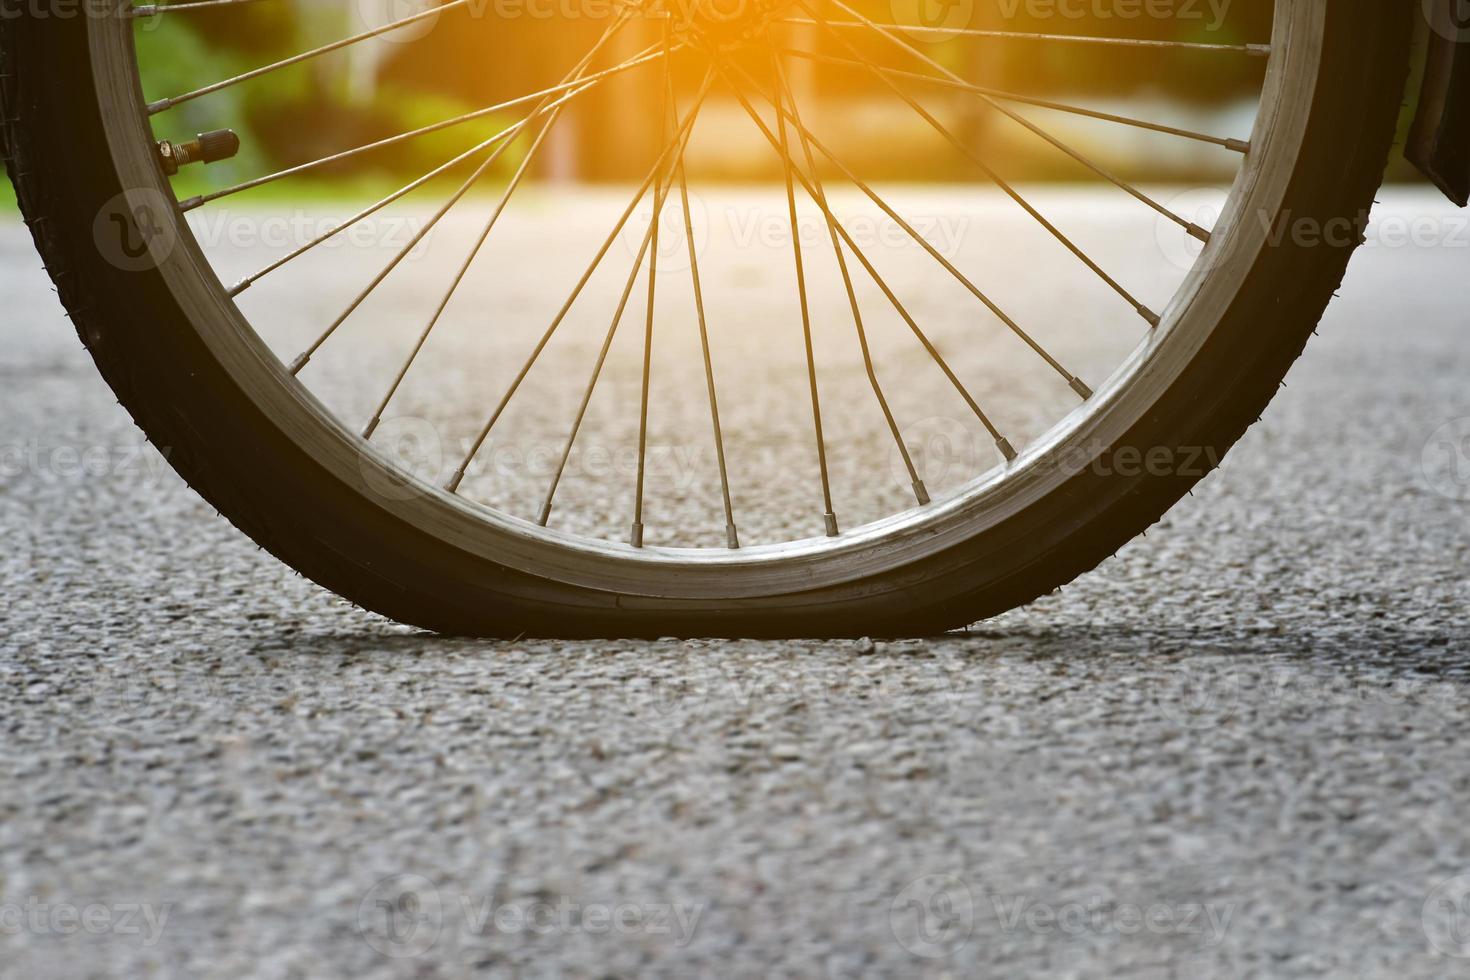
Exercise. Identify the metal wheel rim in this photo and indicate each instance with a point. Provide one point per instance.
(755, 570)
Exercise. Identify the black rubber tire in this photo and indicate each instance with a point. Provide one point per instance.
(230, 453)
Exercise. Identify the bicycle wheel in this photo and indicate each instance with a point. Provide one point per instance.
(802, 377)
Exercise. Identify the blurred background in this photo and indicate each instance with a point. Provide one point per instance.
(494, 50)
(490, 51)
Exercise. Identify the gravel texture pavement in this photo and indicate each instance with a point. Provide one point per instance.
(1238, 748)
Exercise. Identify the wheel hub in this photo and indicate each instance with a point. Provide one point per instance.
(724, 22)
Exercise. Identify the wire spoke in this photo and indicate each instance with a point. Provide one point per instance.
(1005, 186)
(1193, 229)
(680, 138)
(357, 301)
(635, 536)
(649, 238)
(1072, 380)
(1253, 50)
(784, 150)
(576, 87)
(464, 269)
(402, 192)
(587, 392)
(474, 252)
(156, 107)
(245, 283)
(921, 494)
(732, 534)
(1239, 146)
(1001, 442)
(463, 189)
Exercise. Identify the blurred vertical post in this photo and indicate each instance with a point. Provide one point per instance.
(618, 122)
(801, 73)
(986, 62)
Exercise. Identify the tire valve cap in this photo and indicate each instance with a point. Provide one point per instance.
(211, 147)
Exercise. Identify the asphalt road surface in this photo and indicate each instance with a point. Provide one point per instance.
(1237, 748)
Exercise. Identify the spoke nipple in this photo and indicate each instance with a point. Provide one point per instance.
(1196, 231)
(159, 106)
(832, 530)
(732, 539)
(299, 363)
(1239, 146)
(371, 427)
(636, 537)
(1005, 448)
(1259, 50)
(921, 492)
(1081, 388)
(240, 287)
(454, 481)
(545, 514)
(1149, 315)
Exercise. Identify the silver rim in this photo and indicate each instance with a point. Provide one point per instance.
(633, 567)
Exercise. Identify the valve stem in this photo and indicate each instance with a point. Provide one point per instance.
(211, 147)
